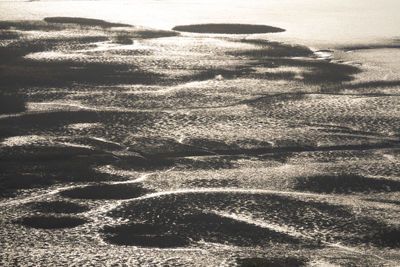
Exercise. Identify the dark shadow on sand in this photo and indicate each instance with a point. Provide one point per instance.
(272, 262)
(291, 147)
(272, 49)
(145, 163)
(346, 184)
(14, 51)
(9, 183)
(275, 98)
(127, 37)
(369, 47)
(207, 163)
(209, 74)
(144, 235)
(52, 222)
(385, 201)
(107, 191)
(186, 215)
(52, 153)
(31, 25)
(150, 34)
(28, 123)
(269, 54)
(374, 84)
(66, 73)
(227, 28)
(194, 227)
(84, 22)
(11, 103)
(9, 35)
(315, 71)
(30, 167)
(57, 207)
(33, 168)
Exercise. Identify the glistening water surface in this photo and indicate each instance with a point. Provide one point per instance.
(309, 22)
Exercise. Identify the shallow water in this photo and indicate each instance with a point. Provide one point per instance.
(312, 22)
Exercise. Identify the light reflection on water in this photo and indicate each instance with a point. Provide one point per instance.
(307, 21)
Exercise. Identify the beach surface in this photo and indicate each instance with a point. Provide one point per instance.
(199, 144)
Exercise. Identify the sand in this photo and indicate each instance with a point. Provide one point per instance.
(150, 147)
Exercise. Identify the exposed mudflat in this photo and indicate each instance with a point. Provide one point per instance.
(122, 145)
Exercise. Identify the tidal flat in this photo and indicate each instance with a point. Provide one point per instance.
(203, 145)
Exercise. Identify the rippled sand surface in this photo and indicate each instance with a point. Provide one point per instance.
(123, 145)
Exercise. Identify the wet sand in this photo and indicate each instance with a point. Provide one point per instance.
(127, 145)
